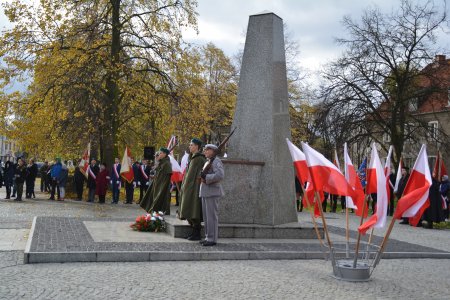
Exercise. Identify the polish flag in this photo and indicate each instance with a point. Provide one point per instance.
(84, 162)
(177, 173)
(302, 173)
(398, 176)
(353, 179)
(299, 159)
(376, 175)
(336, 160)
(172, 143)
(325, 175)
(126, 170)
(387, 171)
(415, 196)
(184, 162)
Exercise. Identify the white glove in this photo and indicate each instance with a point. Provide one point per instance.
(139, 183)
(118, 182)
(134, 184)
(111, 182)
(146, 183)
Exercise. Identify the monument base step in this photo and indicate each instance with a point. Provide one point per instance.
(178, 229)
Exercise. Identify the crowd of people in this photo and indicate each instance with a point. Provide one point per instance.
(200, 188)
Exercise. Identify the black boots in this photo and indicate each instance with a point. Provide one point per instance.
(195, 236)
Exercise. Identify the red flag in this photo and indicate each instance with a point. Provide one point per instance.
(84, 162)
(439, 169)
(415, 196)
(353, 179)
(325, 175)
(126, 170)
(378, 178)
(177, 173)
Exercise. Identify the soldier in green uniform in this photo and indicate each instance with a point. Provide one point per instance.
(157, 198)
(191, 204)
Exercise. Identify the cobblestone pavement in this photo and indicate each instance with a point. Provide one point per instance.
(267, 279)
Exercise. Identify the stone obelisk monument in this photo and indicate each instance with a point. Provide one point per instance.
(259, 183)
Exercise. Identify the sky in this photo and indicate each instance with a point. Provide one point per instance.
(313, 24)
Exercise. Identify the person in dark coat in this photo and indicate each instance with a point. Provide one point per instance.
(32, 171)
(444, 189)
(62, 181)
(20, 175)
(157, 198)
(401, 187)
(391, 203)
(101, 182)
(79, 178)
(115, 180)
(143, 178)
(9, 172)
(434, 212)
(191, 203)
(43, 173)
(92, 171)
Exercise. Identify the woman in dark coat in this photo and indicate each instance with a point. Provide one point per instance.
(20, 175)
(8, 176)
(101, 182)
(32, 171)
(434, 212)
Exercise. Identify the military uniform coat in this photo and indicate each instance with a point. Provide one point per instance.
(157, 197)
(191, 204)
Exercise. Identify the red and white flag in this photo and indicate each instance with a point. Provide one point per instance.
(415, 196)
(84, 162)
(126, 170)
(325, 176)
(336, 160)
(302, 173)
(387, 171)
(353, 179)
(299, 159)
(172, 142)
(377, 178)
(177, 173)
(398, 176)
(184, 162)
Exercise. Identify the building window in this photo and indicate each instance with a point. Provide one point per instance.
(409, 129)
(413, 104)
(433, 128)
(448, 96)
(386, 137)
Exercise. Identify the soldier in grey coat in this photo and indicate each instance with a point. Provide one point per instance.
(210, 192)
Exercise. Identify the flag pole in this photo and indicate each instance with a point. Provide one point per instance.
(384, 242)
(369, 242)
(347, 235)
(311, 209)
(324, 223)
(359, 233)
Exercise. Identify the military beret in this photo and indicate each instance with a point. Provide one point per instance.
(165, 150)
(197, 142)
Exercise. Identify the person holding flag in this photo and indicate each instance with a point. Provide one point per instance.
(115, 181)
(128, 174)
(157, 198)
(191, 203)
